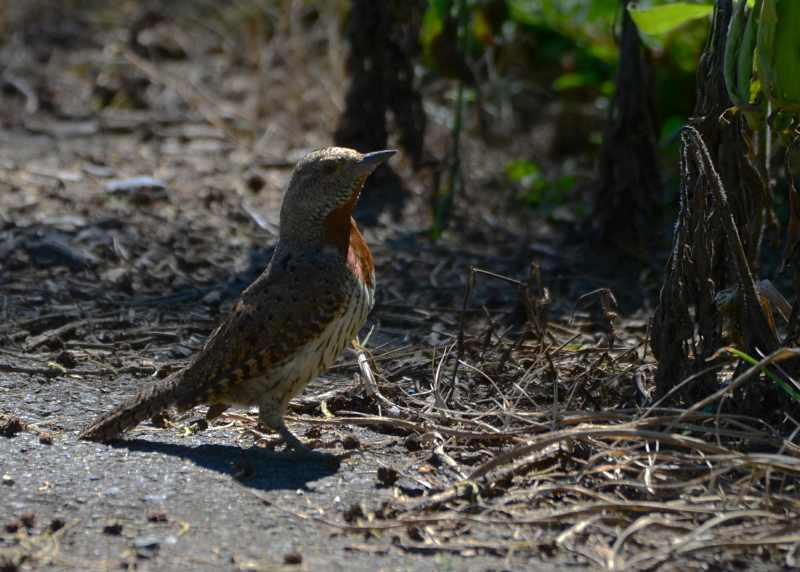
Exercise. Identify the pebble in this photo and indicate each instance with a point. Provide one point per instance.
(293, 558)
(387, 476)
(113, 529)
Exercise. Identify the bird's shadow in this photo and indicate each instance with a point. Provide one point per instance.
(255, 467)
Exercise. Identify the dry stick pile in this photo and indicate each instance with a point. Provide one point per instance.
(540, 449)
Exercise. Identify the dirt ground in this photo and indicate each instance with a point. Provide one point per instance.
(486, 441)
(100, 293)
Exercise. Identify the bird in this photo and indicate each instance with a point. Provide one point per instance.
(293, 321)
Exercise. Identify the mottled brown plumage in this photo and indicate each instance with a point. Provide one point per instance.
(294, 320)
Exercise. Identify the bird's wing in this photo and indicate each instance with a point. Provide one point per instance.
(289, 305)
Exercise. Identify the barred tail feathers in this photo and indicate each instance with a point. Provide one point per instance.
(150, 401)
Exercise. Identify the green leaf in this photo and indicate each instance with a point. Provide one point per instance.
(791, 391)
(602, 9)
(575, 80)
(433, 22)
(527, 173)
(662, 20)
(523, 13)
(564, 184)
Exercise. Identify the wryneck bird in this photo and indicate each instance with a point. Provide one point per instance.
(293, 321)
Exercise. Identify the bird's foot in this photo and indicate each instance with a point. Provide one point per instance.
(296, 449)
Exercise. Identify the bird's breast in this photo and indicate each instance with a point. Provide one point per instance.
(359, 257)
(315, 356)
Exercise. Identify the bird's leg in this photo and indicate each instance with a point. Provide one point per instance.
(270, 414)
(292, 443)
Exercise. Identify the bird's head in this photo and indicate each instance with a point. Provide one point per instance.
(322, 194)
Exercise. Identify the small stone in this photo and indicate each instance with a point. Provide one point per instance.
(57, 524)
(8, 480)
(147, 546)
(157, 516)
(213, 298)
(350, 442)
(415, 534)
(255, 182)
(10, 426)
(113, 529)
(387, 476)
(413, 443)
(45, 438)
(67, 359)
(147, 543)
(28, 519)
(293, 558)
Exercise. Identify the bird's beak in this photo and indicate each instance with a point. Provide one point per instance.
(370, 161)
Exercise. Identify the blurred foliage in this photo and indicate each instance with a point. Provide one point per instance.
(569, 48)
(588, 23)
(660, 21)
(777, 65)
(532, 186)
(576, 35)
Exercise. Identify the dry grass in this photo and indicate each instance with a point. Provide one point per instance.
(544, 449)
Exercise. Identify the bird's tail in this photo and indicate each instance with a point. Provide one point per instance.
(150, 401)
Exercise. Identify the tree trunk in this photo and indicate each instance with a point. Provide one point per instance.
(630, 188)
(384, 44)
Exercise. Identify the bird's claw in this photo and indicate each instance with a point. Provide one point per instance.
(296, 449)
